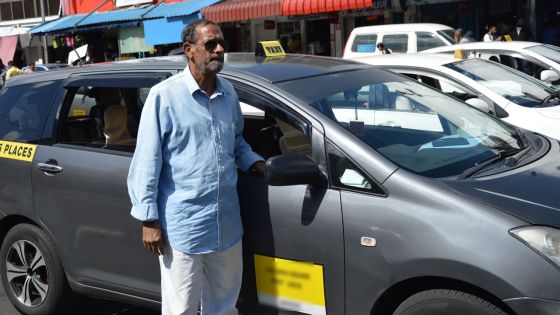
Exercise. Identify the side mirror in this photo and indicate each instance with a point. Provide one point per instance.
(549, 76)
(478, 103)
(293, 169)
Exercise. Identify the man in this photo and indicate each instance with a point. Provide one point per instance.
(182, 180)
(30, 68)
(459, 37)
(381, 50)
(490, 36)
(12, 70)
(520, 32)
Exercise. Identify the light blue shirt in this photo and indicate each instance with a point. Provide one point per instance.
(183, 172)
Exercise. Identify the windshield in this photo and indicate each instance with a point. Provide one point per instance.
(548, 51)
(416, 127)
(509, 83)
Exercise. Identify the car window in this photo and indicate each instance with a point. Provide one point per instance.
(416, 127)
(512, 85)
(23, 110)
(425, 40)
(446, 86)
(347, 175)
(397, 43)
(364, 43)
(448, 35)
(102, 117)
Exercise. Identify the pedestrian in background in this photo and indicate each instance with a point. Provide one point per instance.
(12, 70)
(520, 32)
(459, 37)
(381, 50)
(183, 179)
(491, 36)
(30, 68)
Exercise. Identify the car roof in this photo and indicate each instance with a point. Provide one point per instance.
(401, 28)
(513, 45)
(272, 70)
(416, 60)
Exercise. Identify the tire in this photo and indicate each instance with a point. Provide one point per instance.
(31, 272)
(446, 302)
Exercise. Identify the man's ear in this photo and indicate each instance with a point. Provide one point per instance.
(187, 50)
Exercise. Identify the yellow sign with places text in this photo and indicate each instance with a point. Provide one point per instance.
(290, 285)
(17, 151)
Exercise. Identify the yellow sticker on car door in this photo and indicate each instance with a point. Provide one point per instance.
(290, 285)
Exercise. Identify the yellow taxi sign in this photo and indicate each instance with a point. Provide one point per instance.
(290, 285)
(271, 48)
(17, 151)
(507, 38)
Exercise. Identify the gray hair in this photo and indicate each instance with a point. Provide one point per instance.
(189, 32)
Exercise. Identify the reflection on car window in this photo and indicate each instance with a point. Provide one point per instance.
(414, 126)
(513, 85)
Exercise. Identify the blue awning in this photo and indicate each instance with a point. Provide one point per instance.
(123, 16)
(166, 30)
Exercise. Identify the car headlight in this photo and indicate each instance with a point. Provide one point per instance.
(543, 239)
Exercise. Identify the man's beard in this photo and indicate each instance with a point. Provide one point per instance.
(214, 65)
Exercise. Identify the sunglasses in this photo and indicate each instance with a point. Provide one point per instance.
(212, 44)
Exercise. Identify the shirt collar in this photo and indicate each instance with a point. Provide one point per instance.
(193, 86)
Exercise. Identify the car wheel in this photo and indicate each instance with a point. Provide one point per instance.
(31, 272)
(446, 302)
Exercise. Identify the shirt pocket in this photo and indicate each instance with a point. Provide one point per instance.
(227, 137)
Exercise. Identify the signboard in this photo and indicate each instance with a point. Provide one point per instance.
(290, 285)
(125, 3)
(131, 40)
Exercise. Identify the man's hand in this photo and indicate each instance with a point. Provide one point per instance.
(258, 167)
(152, 238)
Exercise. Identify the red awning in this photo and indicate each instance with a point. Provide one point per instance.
(298, 7)
(242, 10)
(8, 46)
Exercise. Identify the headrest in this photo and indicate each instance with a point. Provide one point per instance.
(107, 95)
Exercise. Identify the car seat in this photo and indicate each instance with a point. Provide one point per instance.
(292, 140)
(115, 126)
(104, 97)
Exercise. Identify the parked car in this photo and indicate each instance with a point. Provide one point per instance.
(399, 38)
(541, 61)
(385, 211)
(46, 67)
(494, 88)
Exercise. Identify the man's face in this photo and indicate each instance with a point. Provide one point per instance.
(493, 30)
(207, 54)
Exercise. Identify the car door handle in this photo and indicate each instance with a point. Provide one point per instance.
(49, 168)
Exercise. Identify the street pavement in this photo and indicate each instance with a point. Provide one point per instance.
(82, 305)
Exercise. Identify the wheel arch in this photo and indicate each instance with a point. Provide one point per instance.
(8, 222)
(396, 294)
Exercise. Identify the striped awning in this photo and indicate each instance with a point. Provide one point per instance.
(300, 7)
(242, 10)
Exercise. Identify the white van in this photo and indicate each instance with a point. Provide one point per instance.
(399, 38)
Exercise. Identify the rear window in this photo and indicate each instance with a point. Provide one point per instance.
(23, 110)
(364, 43)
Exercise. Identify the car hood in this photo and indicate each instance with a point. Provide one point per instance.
(549, 112)
(530, 193)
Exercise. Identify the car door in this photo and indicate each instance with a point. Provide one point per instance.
(79, 180)
(293, 239)
(23, 112)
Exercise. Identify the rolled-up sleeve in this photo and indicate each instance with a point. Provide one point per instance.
(244, 155)
(145, 169)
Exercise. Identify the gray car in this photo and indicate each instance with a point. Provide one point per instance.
(381, 195)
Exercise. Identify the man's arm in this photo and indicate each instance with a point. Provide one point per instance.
(144, 173)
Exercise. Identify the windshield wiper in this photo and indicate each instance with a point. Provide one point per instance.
(555, 94)
(515, 155)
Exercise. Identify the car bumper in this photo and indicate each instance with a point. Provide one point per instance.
(534, 306)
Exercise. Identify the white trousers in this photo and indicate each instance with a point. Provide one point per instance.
(210, 280)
